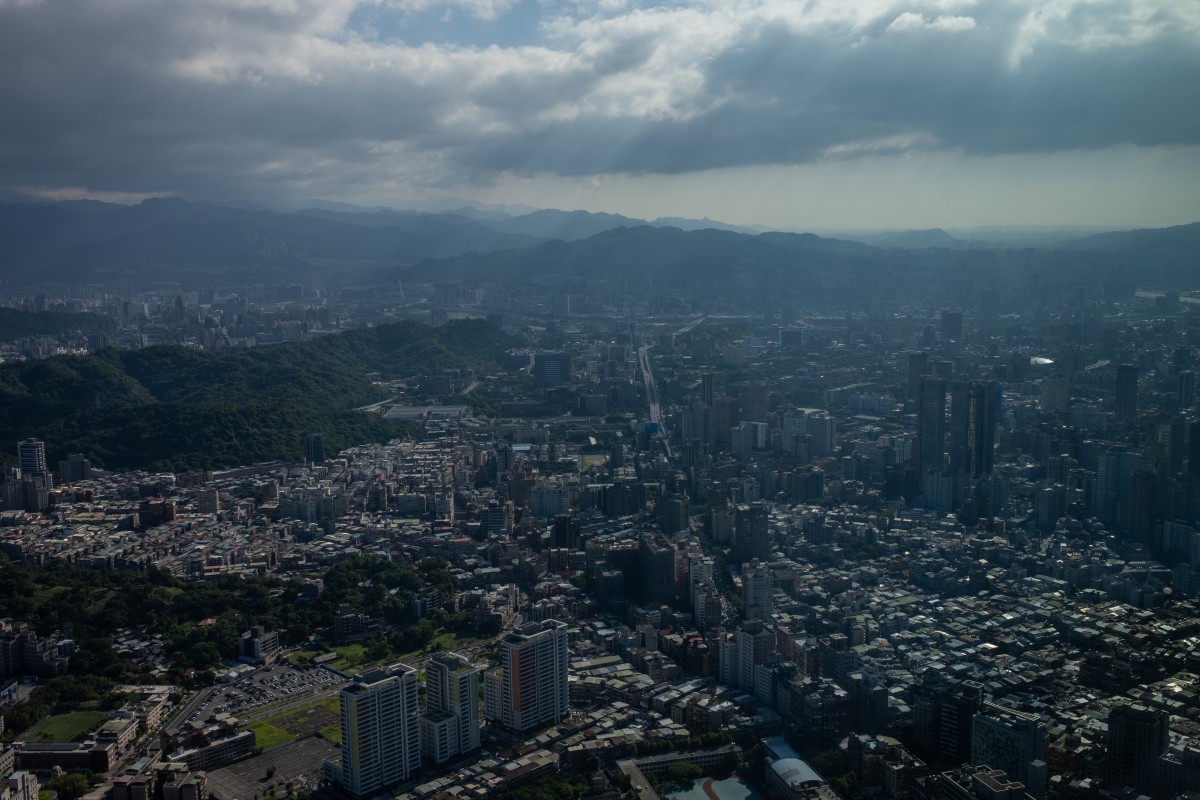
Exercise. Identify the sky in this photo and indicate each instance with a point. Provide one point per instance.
(796, 114)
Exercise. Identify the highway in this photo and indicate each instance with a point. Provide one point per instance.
(652, 394)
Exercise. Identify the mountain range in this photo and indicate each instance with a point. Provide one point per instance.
(171, 241)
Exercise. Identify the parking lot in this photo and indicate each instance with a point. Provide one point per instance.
(261, 691)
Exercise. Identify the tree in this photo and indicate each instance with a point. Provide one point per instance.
(683, 772)
(71, 785)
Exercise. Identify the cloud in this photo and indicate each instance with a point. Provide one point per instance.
(264, 98)
(912, 21)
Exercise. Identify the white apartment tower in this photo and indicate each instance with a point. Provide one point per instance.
(381, 744)
(450, 724)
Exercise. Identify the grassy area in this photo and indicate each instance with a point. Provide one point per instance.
(65, 727)
(267, 735)
(322, 716)
(353, 657)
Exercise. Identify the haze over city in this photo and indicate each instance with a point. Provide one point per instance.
(817, 115)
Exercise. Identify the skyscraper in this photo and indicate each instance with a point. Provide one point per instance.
(982, 409)
(533, 677)
(381, 743)
(1185, 389)
(1127, 392)
(918, 367)
(931, 425)
(450, 724)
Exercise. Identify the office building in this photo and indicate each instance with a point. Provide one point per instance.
(931, 425)
(551, 369)
(381, 743)
(450, 724)
(1185, 389)
(532, 677)
(974, 407)
(918, 367)
(1126, 403)
(726, 417)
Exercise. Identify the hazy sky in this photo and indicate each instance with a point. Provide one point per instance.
(818, 114)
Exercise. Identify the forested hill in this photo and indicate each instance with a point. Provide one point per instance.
(176, 408)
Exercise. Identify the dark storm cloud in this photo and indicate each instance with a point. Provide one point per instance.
(260, 98)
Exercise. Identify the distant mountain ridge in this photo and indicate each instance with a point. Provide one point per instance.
(174, 241)
(1177, 237)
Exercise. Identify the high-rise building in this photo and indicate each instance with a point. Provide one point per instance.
(754, 644)
(757, 586)
(533, 677)
(931, 425)
(974, 407)
(381, 743)
(314, 448)
(656, 562)
(1127, 392)
(1137, 735)
(918, 367)
(751, 538)
(31, 457)
(707, 389)
(1185, 389)
(752, 400)
(551, 369)
(943, 713)
(1009, 740)
(952, 326)
(450, 724)
(726, 417)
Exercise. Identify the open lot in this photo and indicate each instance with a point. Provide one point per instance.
(65, 727)
(299, 764)
(322, 716)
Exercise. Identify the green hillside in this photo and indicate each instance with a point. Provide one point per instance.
(176, 408)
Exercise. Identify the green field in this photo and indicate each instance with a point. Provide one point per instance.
(70, 727)
(267, 735)
(323, 716)
(353, 657)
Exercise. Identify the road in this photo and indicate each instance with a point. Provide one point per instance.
(652, 394)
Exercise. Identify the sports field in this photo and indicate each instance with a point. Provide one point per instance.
(70, 727)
